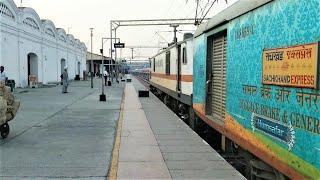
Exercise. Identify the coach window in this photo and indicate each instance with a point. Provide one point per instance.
(154, 64)
(184, 56)
(167, 62)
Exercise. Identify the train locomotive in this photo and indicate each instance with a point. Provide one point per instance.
(251, 73)
(171, 75)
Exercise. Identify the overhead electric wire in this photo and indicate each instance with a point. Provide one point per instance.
(161, 36)
(204, 8)
(208, 11)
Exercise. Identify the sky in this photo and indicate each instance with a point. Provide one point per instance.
(77, 16)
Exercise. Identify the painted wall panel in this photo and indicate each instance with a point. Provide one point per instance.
(278, 24)
(199, 70)
(187, 69)
(9, 49)
(50, 66)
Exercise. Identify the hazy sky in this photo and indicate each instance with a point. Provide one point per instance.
(79, 15)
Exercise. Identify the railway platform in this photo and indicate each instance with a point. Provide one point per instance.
(154, 143)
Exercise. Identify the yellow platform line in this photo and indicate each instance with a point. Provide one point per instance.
(115, 153)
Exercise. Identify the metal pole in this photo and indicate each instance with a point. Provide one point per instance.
(115, 54)
(111, 49)
(131, 55)
(102, 96)
(102, 71)
(131, 59)
(175, 34)
(91, 69)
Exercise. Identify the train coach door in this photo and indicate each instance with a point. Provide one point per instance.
(216, 76)
(179, 70)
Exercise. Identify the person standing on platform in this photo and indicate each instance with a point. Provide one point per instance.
(105, 75)
(117, 76)
(113, 75)
(65, 80)
(120, 75)
(3, 76)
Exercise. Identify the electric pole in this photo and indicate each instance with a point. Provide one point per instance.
(91, 69)
(102, 95)
(111, 69)
(131, 54)
(175, 32)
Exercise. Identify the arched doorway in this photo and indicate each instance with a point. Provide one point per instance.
(32, 66)
(78, 68)
(63, 65)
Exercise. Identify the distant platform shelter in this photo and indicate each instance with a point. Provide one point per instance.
(98, 63)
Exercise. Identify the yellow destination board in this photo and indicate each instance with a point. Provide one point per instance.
(295, 66)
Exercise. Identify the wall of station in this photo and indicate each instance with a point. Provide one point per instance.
(33, 46)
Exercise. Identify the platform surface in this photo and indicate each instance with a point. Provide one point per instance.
(157, 144)
(62, 136)
(140, 156)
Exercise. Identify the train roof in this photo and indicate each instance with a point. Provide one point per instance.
(237, 9)
(173, 45)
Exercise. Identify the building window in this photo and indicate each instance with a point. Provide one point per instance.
(184, 56)
(168, 63)
(31, 23)
(6, 11)
(49, 32)
(62, 38)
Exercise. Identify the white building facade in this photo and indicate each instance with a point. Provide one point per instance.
(31, 46)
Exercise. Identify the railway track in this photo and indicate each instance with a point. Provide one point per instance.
(143, 78)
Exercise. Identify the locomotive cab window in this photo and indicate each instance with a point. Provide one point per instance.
(168, 63)
(184, 56)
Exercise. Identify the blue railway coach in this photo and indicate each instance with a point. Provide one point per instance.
(256, 81)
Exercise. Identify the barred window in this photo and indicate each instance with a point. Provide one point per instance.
(49, 32)
(6, 11)
(168, 63)
(62, 38)
(184, 56)
(31, 23)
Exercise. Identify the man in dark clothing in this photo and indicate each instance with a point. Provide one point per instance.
(65, 80)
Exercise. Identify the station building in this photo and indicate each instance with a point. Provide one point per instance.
(30, 45)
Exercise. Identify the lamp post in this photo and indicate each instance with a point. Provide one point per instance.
(91, 69)
(102, 95)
